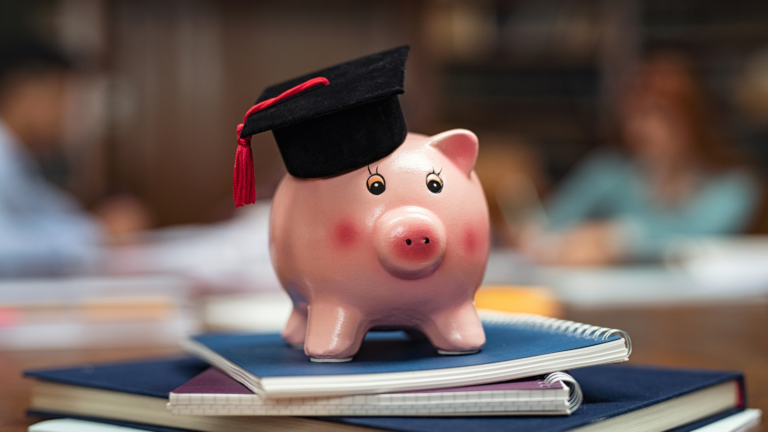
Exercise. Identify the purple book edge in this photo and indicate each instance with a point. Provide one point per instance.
(213, 381)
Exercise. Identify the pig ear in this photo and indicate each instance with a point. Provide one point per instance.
(458, 145)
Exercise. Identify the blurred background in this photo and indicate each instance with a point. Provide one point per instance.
(158, 85)
(624, 147)
(623, 154)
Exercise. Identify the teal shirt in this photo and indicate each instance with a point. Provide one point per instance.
(609, 186)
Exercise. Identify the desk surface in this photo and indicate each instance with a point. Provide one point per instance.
(729, 337)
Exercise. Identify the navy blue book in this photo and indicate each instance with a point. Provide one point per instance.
(615, 398)
(517, 346)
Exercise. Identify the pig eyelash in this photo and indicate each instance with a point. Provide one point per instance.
(377, 170)
(434, 182)
(376, 183)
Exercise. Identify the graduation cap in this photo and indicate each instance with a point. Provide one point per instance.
(327, 122)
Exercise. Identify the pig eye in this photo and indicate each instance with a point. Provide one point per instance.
(434, 182)
(376, 184)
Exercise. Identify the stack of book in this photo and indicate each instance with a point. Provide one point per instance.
(398, 382)
(95, 312)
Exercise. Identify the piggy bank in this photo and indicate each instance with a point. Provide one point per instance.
(401, 243)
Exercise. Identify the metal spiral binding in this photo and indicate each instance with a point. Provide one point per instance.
(575, 397)
(554, 325)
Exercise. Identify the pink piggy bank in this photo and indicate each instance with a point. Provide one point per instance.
(402, 243)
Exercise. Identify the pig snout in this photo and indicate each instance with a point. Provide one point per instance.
(410, 242)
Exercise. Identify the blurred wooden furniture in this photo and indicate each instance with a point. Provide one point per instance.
(725, 337)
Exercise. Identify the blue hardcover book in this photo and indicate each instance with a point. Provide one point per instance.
(615, 398)
(517, 346)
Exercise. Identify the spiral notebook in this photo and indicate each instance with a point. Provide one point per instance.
(740, 422)
(615, 398)
(517, 346)
(213, 393)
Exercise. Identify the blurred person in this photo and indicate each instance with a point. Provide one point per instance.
(43, 231)
(673, 178)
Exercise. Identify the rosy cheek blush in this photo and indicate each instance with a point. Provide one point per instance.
(345, 234)
(470, 241)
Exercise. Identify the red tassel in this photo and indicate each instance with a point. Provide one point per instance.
(244, 179)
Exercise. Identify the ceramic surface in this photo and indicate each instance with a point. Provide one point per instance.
(402, 243)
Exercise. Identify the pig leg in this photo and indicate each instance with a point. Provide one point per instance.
(334, 333)
(456, 331)
(296, 328)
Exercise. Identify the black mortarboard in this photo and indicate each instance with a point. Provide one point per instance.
(326, 130)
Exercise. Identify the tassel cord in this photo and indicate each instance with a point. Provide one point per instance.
(244, 177)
